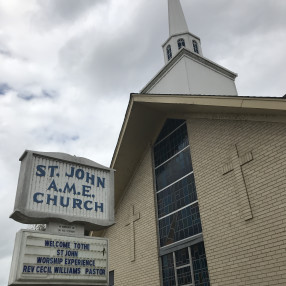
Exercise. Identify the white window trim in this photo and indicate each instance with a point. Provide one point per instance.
(183, 266)
(172, 157)
(182, 240)
(174, 182)
(184, 207)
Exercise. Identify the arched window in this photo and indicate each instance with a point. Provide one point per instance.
(169, 52)
(181, 43)
(195, 45)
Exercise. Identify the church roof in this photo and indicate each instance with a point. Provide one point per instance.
(195, 57)
(146, 114)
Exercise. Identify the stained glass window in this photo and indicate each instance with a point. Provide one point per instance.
(184, 276)
(187, 266)
(168, 270)
(177, 196)
(200, 265)
(169, 126)
(180, 225)
(182, 257)
(170, 145)
(177, 206)
(173, 169)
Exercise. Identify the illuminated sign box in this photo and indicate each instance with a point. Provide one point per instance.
(63, 188)
(46, 259)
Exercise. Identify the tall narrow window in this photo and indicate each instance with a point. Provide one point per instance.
(180, 232)
(186, 266)
(169, 52)
(181, 43)
(195, 46)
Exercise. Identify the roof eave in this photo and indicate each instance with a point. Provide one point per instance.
(185, 52)
(179, 34)
(147, 112)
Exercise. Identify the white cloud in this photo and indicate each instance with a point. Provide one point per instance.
(68, 67)
(5, 262)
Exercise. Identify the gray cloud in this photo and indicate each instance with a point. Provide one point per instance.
(68, 67)
(53, 13)
(5, 53)
(4, 42)
(102, 60)
(235, 17)
(224, 25)
(4, 87)
(42, 95)
(48, 134)
(247, 37)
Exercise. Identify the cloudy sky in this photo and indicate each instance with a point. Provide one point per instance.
(67, 68)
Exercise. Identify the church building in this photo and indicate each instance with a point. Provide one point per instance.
(200, 181)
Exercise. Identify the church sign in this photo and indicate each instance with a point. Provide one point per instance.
(64, 188)
(46, 259)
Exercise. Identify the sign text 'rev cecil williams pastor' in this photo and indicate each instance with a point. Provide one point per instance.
(58, 186)
(45, 259)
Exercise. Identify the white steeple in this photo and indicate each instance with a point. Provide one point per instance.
(186, 70)
(179, 35)
(177, 21)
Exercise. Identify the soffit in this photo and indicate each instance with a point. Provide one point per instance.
(146, 114)
(135, 137)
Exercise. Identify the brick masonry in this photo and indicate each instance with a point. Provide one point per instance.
(240, 252)
(144, 270)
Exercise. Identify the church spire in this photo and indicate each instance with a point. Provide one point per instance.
(179, 35)
(177, 21)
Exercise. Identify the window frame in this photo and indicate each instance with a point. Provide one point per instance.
(187, 242)
(169, 52)
(196, 47)
(181, 43)
(158, 219)
(176, 268)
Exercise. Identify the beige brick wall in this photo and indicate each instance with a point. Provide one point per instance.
(242, 252)
(145, 269)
